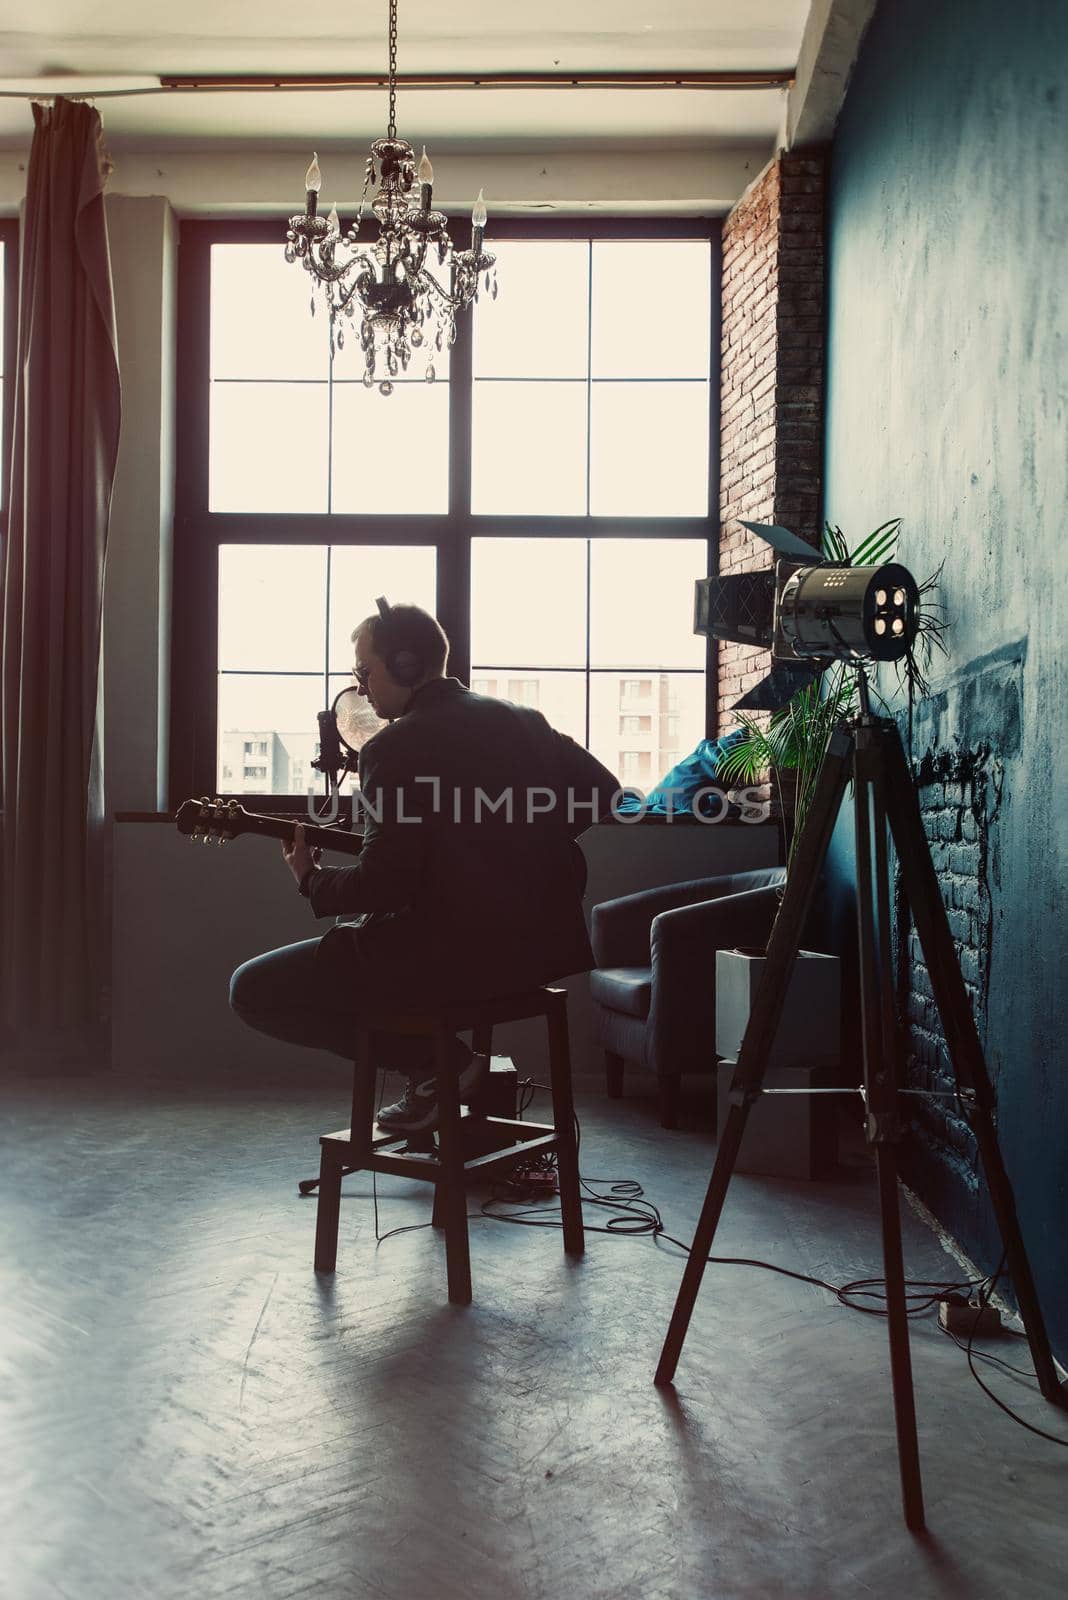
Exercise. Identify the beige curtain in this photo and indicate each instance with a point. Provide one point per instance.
(65, 441)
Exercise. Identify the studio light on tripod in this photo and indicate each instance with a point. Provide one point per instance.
(809, 613)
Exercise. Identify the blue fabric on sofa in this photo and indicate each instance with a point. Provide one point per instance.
(679, 788)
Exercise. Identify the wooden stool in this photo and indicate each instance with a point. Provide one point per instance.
(355, 1149)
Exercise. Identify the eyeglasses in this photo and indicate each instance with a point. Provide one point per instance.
(360, 676)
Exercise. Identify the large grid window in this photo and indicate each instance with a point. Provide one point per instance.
(548, 496)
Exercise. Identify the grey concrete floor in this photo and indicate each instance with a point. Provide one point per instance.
(188, 1411)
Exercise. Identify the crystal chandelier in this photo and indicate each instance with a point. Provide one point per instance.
(385, 289)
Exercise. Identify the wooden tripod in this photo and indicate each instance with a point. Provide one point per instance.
(868, 749)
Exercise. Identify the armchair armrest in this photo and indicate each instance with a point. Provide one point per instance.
(681, 1031)
(620, 928)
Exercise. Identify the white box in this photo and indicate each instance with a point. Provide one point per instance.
(809, 1030)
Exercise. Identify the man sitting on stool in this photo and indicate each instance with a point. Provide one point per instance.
(469, 884)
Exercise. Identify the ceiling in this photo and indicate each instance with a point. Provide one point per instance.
(139, 38)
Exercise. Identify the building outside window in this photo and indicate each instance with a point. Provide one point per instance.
(524, 691)
(636, 766)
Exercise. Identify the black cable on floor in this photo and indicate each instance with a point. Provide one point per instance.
(630, 1199)
(634, 1215)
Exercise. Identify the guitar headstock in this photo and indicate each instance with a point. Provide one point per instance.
(209, 821)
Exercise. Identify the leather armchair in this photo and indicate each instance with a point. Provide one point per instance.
(654, 986)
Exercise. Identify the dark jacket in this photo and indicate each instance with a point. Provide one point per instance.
(465, 900)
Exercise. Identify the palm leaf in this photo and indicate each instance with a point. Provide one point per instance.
(834, 544)
(878, 546)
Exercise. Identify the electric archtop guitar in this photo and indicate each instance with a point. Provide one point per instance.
(221, 820)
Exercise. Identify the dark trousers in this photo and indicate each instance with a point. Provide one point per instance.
(290, 994)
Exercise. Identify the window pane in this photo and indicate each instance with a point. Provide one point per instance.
(528, 449)
(559, 696)
(528, 602)
(261, 322)
(360, 573)
(537, 326)
(641, 602)
(391, 453)
(649, 450)
(623, 275)
(272, 607)
(268, 447)
(642, 723)
(268, 733)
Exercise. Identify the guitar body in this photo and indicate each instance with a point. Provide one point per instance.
(220, 820)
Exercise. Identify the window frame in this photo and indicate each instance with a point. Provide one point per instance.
(9, 333)
(198, 532)
(9, 336)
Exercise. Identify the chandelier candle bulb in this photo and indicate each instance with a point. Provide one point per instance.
(478, 224)
(313, 182)
(333, 222)
(426, 179)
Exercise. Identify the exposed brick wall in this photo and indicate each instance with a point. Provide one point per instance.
(959, 794)
(771, 403)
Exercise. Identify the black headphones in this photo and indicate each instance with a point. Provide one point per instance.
(405, 667)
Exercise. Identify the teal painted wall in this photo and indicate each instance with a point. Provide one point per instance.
(947, 404)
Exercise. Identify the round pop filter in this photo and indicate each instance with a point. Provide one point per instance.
(356, 722)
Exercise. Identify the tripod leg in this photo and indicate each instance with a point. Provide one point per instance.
(881, 1095)
(763, 1025)
(962, 1039)
(908, 1449)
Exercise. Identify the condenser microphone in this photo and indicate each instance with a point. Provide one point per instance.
(329, 761)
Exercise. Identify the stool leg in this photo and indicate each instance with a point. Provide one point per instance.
(564, 1122)
(362, 1121)
(332, 1160)
(328, 1209)
(451, 1195)
(437, 1216)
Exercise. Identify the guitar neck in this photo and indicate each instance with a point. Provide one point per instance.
(316, 837)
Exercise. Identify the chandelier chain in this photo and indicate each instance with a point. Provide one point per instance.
(385, 292)
(392, 130)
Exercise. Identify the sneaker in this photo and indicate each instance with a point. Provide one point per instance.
(417, 1109)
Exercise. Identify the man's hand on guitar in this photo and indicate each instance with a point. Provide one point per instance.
(299, 856)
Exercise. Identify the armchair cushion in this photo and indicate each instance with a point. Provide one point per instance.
(623, 989)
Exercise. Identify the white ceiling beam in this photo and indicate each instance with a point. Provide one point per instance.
(686, 182)
(825, 63)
